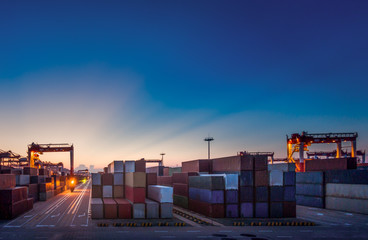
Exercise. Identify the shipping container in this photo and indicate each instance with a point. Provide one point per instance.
(261, 210)
(180, 201)
(116, 167)
(96, 179)
(260, 162)
(110, 208)
(261, 178)
(197, 166)
(232, 210)
(276, 210)
(347, 204)
(289, 179)
(182, 177)
(289, 209)
(7, 181)
(161, 194)
(276, 193)
(135, 195)
(107, 191)
(166, 210)
(231, 196)
(276, 178)
(347, 176)
(151, 179)
(306, 189)
(206, 195)
(207, 209)
(118, 191)
(96, 191)
(310, 201)
(96, 208)
(207, 182)
(152, 209)
(284, 167)
(246, 210)
(309, 177)
(124, 208)
(118, 179)
(13, 195)
(181, 189)
(246, 194)
(135, 179)
(330, 164)
(356, 191)
(139, 210)
(246, 178)
(107, 179)
(289, 193)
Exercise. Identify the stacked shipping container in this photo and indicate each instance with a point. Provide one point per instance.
(14, 200)
(124, 191)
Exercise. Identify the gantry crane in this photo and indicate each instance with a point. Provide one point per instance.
(301, 142)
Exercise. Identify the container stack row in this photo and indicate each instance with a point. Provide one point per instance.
(127, 191)
(237, 186)
(343, 190)
(14, 201)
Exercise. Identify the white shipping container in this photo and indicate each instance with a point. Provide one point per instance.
(139, 210)
(22, 180)
(161, 194)
(96, 179)
(96, 208)
(356, 191)
(107, 191)
(276, 177)
(347, 204)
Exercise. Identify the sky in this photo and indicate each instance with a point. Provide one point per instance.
(124, 80)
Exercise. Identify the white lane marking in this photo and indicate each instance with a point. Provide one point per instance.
(284, 236)
(225, 231)
(57, 215)
(349, 214)
(82, 215)
(160, 231)
(45, 225)
(200, 231)
(6, 226)
(89, 202)
(320, 214)
(168, 237)
(305, 230)
(265, 231)
(347, 224)
(79, 203)
(28, 216)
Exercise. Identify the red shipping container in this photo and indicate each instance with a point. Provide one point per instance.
(124, 208)
(44, 187)
(182, 177)
(233, 164)
(207, 209)
(140, 166)
(135, 195)
(260, 162)
(289, 209)
(107, 179)
(7, 181)
(10, 211)
(151, 179)
(30, 203)
(13, 195)
(261, 178)
(197, 166)
(110, 208)
(180, 189)
(330, 164)
(164, 181)
(166, 171)
(96, 191)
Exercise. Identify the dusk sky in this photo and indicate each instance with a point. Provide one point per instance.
(123, 80)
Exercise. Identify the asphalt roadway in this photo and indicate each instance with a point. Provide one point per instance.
(66, 216)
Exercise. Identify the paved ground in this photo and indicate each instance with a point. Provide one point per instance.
(66, 217)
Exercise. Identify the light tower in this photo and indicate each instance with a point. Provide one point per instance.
(162, 159)
(209, 139)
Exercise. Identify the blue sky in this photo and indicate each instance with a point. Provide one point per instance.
(131, 79)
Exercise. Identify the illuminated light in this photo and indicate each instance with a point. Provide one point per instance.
(72, 182)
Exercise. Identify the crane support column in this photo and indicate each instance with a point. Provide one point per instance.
(338, 151)
(72, 162)
(353, 148)
(301, 152)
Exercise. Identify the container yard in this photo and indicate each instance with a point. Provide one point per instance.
(250, 194)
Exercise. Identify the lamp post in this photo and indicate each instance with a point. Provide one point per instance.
(162, 159)
(209, 139)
